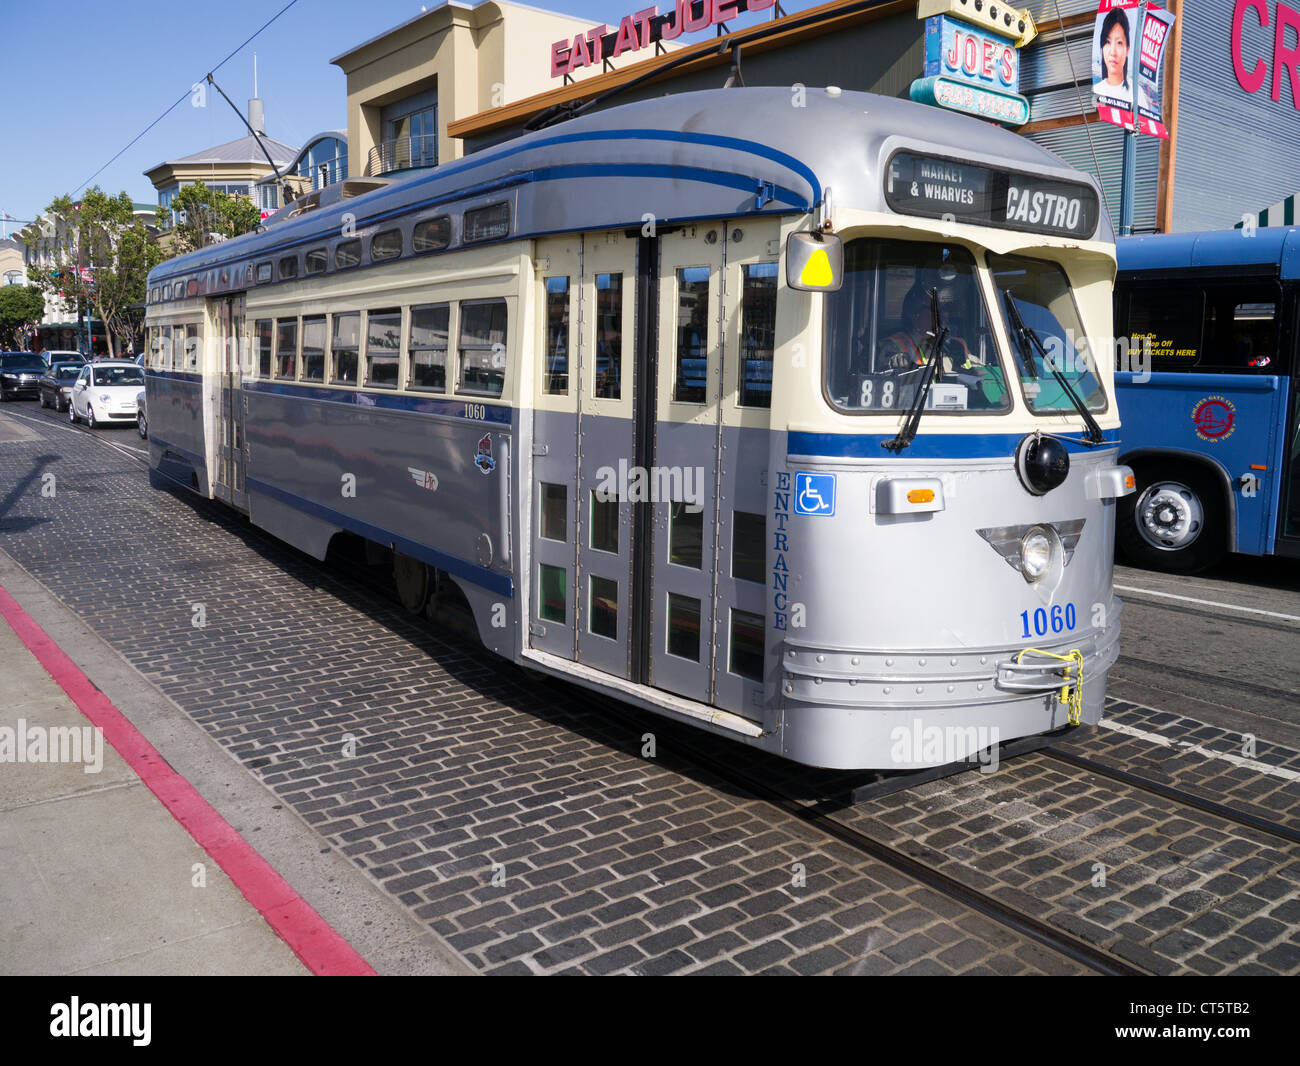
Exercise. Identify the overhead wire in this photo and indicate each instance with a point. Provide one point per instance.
(185, 95)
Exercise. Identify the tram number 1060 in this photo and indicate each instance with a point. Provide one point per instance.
(1061, 619)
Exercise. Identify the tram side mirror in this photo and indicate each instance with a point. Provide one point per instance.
(814, 262)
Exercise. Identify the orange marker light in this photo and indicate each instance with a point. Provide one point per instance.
(920, 496)
(1130, 482)
(1256, 466)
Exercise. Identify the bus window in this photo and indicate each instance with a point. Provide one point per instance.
(1241, 329)
(1165, 322)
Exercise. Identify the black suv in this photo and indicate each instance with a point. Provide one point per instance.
(20, 374)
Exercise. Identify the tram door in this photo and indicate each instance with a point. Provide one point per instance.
(582, 603)
(232, 353)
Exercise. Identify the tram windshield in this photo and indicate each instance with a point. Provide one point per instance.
(878, 331)
(1042, 295)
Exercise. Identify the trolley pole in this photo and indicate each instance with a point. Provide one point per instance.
(1128, 179)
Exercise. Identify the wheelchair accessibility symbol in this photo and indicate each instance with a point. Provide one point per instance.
(814, 494)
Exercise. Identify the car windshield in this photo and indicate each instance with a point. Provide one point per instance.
(1042, 295)
(118, 375)
(68, 372)
(19, 361)
(878, 326)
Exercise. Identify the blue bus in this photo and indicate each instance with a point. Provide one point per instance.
(1210, 410)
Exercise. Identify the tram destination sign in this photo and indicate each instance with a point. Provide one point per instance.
(985, 196)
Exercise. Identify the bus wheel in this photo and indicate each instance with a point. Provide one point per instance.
(1175, 520)
(412, 580)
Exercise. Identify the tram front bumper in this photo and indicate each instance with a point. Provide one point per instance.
(910, 680)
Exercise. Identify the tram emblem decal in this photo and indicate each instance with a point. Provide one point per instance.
(483, 457)
(814, 494)
(426, 479)
(1214, 418)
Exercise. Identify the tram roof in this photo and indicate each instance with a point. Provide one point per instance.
(688, 156)
(1271, 248)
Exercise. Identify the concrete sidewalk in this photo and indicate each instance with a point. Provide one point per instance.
(98, 877)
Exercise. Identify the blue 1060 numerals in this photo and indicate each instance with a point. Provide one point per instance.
(1061, 619)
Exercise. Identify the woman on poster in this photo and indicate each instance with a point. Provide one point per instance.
(1113, 50)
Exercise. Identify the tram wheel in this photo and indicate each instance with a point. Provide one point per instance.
(412, 580)
(1174, 521)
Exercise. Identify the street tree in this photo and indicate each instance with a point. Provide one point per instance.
(100, 252)
(21, 308)
(201, 216)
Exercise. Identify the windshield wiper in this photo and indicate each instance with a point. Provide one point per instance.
(1027, 337)
(932, 372)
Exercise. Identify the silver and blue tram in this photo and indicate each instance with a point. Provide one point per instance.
(792, 422)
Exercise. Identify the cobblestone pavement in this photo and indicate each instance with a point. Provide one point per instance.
(523, 824)
(529, 833)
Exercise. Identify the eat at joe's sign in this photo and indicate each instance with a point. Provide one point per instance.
(644, 28)
(1252, 72)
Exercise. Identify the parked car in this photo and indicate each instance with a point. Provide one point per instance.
(105, 392)
(62, 357)
(56, 384)
(20, 373)
(142, 419)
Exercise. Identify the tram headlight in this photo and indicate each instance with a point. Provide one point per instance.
(1042, 463)
(1035, 553)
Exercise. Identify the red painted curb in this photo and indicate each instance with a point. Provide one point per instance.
(321, 949)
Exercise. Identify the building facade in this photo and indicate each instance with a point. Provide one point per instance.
(407, 85)
(321, 161)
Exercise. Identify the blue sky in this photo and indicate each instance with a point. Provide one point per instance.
(81, 79)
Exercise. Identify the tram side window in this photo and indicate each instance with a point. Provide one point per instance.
(262, 330)
(383, 348)
(757, 330)
(313, 348)
(288, 267)
(347, 254)
(1163, 326)
(192, 346)
(286, 348)
(482, 347)
(609, 336)
(347, 339)
(432, 235)
(690, 368)
(386, 245)
(555, 379)
(428, 348)
(315, 261)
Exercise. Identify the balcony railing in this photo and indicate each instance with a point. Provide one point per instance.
(402, 153)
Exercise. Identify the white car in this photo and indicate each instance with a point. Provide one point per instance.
(105, 393)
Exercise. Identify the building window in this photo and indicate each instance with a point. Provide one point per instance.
(428, 348)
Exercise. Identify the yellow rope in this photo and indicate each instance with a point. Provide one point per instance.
(1071, 693)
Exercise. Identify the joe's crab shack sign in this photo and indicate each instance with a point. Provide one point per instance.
(644, 29)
